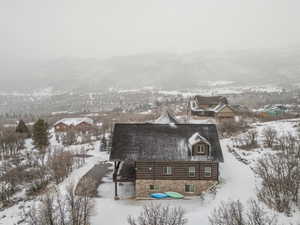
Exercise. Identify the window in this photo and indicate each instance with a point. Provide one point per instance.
(189, 188)
(153, 187)
(201, 149)
(192, 171)
(167, 170)
(207, 171)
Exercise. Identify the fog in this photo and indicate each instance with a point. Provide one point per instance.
(58, 41)
(103, 28)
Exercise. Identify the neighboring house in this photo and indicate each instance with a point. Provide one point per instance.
(78, 124)
(203, 107)
(272, 111)
(168, 156)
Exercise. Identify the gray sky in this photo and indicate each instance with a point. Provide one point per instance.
(103, 28)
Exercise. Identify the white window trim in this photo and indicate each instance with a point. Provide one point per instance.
(191, 185)
(201, 150)
(206, 172)
(192, 173)
(167, 171)
(156, 187)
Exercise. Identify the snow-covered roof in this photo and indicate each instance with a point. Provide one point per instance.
(218, 104)
(196, 138)
(161, 142)
(74, 121)
(166, 118)
(203, 121)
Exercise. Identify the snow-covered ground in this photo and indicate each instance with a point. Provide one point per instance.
(13, 215)
(234, 185)
(221, 90)
(237, 182)
(210, 88)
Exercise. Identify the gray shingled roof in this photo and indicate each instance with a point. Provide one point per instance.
(210, 100)
(161, 142)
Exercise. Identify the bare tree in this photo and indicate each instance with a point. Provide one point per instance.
(257, 216)
(270, 135)
(56, 208)
(80, 207)
(251, 136)
(43, 213)
(231, 127)
(246, 141)
(61, 164)
(280, 174)
(228, 214)
(234, 213)
(158, 214)
(69, 138)
(10, 143)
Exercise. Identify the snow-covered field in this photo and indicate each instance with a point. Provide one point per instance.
(237, 182)
(211, 88)
(221, 90)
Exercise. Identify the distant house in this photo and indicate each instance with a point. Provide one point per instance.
(272, 111)
(205, 107)
(78, 124)
(166, 156)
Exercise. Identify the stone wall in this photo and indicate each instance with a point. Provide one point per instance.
(202, 117)
(143, 191)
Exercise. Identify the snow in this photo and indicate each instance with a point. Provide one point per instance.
(205, 121)
(76, 175)
(197, 138)
(237, 181)
(241, 183)
(224, 89)
(13, 214)
(74, 121)
(166, 118)
(220, 83)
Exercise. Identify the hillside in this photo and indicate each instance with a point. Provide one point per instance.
(167, 71)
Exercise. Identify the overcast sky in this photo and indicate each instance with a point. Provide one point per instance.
(103, 28)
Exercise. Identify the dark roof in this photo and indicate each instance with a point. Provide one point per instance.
(203, 113)
(210, 100)
(161, 142)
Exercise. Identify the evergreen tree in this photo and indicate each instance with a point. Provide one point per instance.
(40, 135)
(109, 143)
(22, 128)
(103, 144)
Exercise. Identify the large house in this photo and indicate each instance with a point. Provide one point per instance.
(78, 124)
(205, 107)
(168, 156)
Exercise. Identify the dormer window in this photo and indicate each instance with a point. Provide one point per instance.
(201, 149)
(199, 145)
